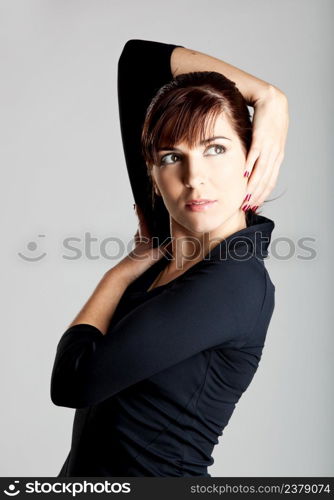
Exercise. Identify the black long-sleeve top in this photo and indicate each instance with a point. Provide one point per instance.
(153, 395)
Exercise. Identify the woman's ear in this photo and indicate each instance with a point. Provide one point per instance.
(156, 189)
(154, 185)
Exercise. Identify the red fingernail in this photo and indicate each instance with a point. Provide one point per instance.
(246, 173)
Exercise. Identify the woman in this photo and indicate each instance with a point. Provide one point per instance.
(158, 357)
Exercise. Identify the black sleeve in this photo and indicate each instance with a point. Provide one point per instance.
(216, 304)
(143, 68)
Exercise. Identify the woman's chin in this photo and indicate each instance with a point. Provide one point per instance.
(202, 226)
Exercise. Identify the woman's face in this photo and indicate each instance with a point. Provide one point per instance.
(213, 170)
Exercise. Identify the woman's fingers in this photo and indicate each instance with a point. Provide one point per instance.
(137, 237)
(271, 182)
(143, 227)
(252, 156)
(260, 183)
(258, 173)
(270, 127)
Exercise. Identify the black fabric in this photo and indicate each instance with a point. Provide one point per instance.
(154, 394)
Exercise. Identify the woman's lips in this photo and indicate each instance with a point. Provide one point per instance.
(200, 207)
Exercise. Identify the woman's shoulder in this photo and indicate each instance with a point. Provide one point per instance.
(233, 263)
(241, 277)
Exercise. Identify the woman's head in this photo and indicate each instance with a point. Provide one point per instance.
(182, 163)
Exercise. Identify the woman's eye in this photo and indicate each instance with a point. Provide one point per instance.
(163, 159)
(221, 148)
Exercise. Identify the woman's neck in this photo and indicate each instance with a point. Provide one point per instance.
(188, 248)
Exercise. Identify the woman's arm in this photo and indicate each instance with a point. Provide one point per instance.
(218, 304)
(101, 305)
(143, 67)
(185, 60)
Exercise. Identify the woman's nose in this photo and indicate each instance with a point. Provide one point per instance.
(193, 183)
(194, 176)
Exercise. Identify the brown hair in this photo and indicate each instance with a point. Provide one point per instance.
(182, 110)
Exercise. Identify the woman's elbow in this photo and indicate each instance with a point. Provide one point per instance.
(130, 49)
(68, 394)
(277, 93)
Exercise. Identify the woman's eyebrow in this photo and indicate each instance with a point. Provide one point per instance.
(205, 141)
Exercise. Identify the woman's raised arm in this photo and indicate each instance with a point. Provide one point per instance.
(143, 67)
(184, 60)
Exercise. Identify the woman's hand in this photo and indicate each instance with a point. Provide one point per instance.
(270, 128)
(143, 255)
(100, 307)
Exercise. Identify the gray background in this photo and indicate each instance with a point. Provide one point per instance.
(63, 174)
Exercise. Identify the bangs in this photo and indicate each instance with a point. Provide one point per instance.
(189, 116)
